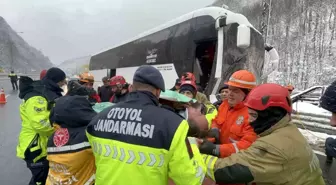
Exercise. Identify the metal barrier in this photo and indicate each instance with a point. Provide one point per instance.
(314, 122)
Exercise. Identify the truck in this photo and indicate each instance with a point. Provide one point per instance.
(211, 42)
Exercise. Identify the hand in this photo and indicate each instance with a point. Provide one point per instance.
(207, 147)
(214, 132)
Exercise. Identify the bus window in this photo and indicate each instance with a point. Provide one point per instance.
(205, 54)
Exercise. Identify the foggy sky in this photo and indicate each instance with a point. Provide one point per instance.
(66, 29)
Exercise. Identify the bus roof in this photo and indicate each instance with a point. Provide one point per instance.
(214, 12)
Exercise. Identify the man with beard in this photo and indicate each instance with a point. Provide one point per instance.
(120, 88)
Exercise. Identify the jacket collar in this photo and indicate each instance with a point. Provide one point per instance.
(282, 123)
(236, 107)
(143, 97)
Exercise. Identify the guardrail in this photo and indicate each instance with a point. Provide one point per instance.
(4, 76)
(314, 122)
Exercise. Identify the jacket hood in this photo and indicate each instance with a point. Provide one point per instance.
(25, 86)
(72, 112)
(45, 87)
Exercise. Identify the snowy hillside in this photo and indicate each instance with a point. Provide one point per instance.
(304, 34)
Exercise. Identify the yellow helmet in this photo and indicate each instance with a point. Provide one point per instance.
(86, 77)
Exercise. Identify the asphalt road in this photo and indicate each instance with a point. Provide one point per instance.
(13, 170)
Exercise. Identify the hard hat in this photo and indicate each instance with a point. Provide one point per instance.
(86, 77)
(242, 79)
(188, 76)
(290, 87)
(268, 95)
(116, 80)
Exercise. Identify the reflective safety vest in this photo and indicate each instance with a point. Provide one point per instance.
(138, 143)
(211, 113)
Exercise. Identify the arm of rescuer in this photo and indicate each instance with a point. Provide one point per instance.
(259, 163)
(38, 115)
(186, 165)
(225, 150)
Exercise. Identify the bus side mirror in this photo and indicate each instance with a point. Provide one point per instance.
(243, 36)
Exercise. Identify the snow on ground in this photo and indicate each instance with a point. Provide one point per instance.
(315, 138)
(309, 108)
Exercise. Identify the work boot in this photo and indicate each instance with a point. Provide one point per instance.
(329, 160)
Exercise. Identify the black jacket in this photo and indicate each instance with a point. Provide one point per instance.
(72, 114)
(119, 98)
(105, 93)
(45, 88)
(156, 126)
(328, 100)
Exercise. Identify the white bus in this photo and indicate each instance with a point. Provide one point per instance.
(211, 42)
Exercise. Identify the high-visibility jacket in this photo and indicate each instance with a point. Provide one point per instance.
(211, 113)
(38, 99)
(137, 142)
(70, 156)
(235, 130)
(13, 77)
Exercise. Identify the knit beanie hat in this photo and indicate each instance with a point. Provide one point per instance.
(187, 87)
(55, 74)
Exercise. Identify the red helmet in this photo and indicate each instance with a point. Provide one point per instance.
(116, 80)
(188, 82)
(268, 95)
(188, 76)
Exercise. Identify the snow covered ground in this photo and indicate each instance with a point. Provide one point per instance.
(309, 108)
(315, 139)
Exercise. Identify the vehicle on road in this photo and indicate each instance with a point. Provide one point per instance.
(211, 42)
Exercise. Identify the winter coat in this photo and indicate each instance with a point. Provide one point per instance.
(70, 155)
(328, 100)
(235, 130)
(281, 155)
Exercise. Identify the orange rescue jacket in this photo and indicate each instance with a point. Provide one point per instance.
(235, 131)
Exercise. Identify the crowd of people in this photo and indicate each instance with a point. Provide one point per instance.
(142, 138)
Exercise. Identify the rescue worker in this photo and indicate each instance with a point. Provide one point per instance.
(13, 78)
(200, 97)
(328, 102)
(280, 155)
(38, 99)
(231, 128)
(223, 94)
(105, 91)
(87, 80)
(120, 88)
(43, 73)
(141, 140)
(189, 89)
(68, 148)
(177, 85)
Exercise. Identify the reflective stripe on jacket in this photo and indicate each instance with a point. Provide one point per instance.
(35, 129)
(133, 147)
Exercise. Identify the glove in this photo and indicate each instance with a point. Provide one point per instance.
(206, 147)
(268, 47)
(214, 132)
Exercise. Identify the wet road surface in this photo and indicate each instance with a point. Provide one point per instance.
(13, 170)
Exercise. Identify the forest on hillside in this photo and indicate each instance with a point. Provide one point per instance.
(303, 32)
